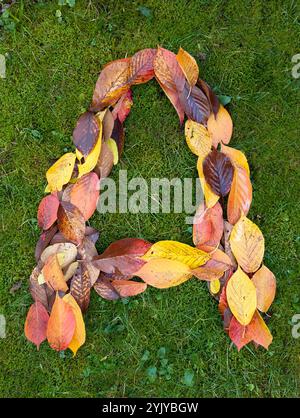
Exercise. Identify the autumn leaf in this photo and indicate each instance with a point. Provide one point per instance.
(78, 338)
(142, 66)
(208, 225)
(241, 297)
(47, 211)
(71, 222)
(41, 293)
(220, 126)
(237, 157)
(111, 84)
(70, 270)
(214, 268)
(119, 136)
(174, 99)
(60, 172)
(105, 161)
(163, 273)
(53, 274)
(239, 334)
(215, 286)
(66, 253)
(247, 244)
(44, 240)
(122, 108)
(111, 143)
(86, 133)
(218, 172)
(123, 256)
(61, 325)
(167, 70)
(105, 289)
(195, 104)
(265, 283)
(188, 65)
(173, 250)
(91, 160)
(85, 193)
(80, 287)
(36, 324)
(212, 98)
(108, 120)
(198, 138)
(210, 197)
(240, 195)
(127, 288)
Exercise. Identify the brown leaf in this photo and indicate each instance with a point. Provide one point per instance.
(105, 289)
(195, 104)
(123, 256)
(86, 133)
(211, 96)
(44, 240)
(218, 172)
(119, 136)
(85, 193)
(80, 287)
(47, 211)
(111, 84)
(208, 225)
(108, 122)
(36, 324)
(61, 325)
(41, 293)
(105, 161)
(71, 222)
(240, 196)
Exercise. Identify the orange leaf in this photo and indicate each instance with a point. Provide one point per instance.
(237, 157)
(36, 324)
(240, 195)
(215, 267)
(141, 66)
(127, 288)
(163, 273)
(79, 334)
(265, 283)
(208, 225)
(121, 110)
(210, 197)
(220, 126)
(168, 71)
(53, 274)
(189, 66)
(85, 193)
(61, 325)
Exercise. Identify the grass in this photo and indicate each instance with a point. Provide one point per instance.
(52, 67)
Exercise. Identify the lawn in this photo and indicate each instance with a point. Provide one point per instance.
(244, 50)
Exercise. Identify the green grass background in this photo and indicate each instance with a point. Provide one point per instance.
(52, 68)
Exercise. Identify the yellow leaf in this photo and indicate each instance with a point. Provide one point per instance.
(215, 286)
(238, 158)
(173, 250)
(247, 244)
(90, 161)
(210, 197)
(79, 334)
(198, 138)
(241, 297)
(163, 273)
(111, 143)
(189, 66)
(60, 172)
(265, 283)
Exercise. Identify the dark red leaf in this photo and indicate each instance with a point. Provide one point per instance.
(195, 104)
(71, 222)
(218, 172)
(44, 240)
(211, 96)
(118, 135)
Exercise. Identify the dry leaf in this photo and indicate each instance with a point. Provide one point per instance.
(85, 193)
(47, 211)
(198, 138)
(78, 338)
(189, 66)
(218, 172)
(53, 274)
(265, 283)
(36, 324)
(220, 127)
(71, 222)
(60, 172)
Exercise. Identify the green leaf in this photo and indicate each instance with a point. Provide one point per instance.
(188, 378)
(145, 11)
(161, 353)
(224, 100)
(152, 373)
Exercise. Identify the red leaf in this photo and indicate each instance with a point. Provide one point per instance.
(85, 193)
(211, 96)
(123, 256)
(168, 71)
(61, 325)
(218, 172)
(71, 222)
(47, 211)
(105, 289)
(127, 288)
(123, 107)
(44, 240)
(141, 67)
(36, 324)
(208, 225)
(86, 133)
